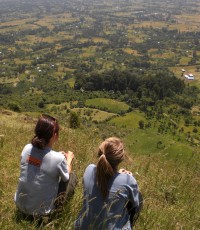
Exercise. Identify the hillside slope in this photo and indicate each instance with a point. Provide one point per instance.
(170, 187)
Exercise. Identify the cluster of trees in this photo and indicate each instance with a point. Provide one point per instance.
(155, 85)
(140, 89)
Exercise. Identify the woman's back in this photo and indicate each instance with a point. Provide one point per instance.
(111, 212)
(38, 182)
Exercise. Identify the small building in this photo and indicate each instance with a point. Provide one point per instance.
(189, 76)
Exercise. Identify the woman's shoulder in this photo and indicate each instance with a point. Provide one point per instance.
(27, 147)
(89, 175)
(57, 155)
(90, 168)
(126, 178)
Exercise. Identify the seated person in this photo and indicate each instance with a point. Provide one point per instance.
(111, 197)
(45, 174)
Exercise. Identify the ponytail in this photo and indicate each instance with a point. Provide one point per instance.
(111, 153)
(39, 143)
(104, 173)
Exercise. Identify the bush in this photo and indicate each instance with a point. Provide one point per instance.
(74, 120)
(14, 107)
(141, 124)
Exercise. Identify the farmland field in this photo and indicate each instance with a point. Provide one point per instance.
(109, 104)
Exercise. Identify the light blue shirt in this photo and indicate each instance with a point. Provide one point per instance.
(40, 172)
(109, 213)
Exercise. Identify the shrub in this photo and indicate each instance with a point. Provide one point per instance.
(74, 120)
(14, 107)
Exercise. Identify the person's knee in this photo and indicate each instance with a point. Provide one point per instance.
(73, 180)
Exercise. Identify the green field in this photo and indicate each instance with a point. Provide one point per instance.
(71, 82)
(130, 120)
(111, 105)
(93, 114)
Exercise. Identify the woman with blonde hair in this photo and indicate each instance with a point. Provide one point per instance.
(111, 197)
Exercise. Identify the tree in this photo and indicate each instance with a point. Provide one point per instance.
(74, 120)
(141, 124)
(41, 104)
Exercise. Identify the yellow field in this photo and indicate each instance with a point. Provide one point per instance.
(83, 40)
(19, 61)
(58, 46)
(102, 40)
(9, 80)
(122, 14)
(184, 23)
(51, 21)
(188, 22)
(131, 51)
(17, 25)
(152, 24)
(17, 22)
(47, 21)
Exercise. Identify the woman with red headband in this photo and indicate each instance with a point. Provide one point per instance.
(45, 174)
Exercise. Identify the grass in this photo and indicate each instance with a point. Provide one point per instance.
(93, 114)
(111, 105)
(184, 60)
(130, 120)
(170, 188)
(71, 82)
(6, 80)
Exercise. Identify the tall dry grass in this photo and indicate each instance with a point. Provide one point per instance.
(170, 188)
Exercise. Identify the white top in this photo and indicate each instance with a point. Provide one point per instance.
(41, 170)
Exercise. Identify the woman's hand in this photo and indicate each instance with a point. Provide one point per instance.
(69, 157)
(125, 171)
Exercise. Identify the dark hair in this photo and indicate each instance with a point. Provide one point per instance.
(45, 128)
(111, 153)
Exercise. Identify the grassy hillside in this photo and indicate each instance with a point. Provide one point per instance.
(170, 185)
